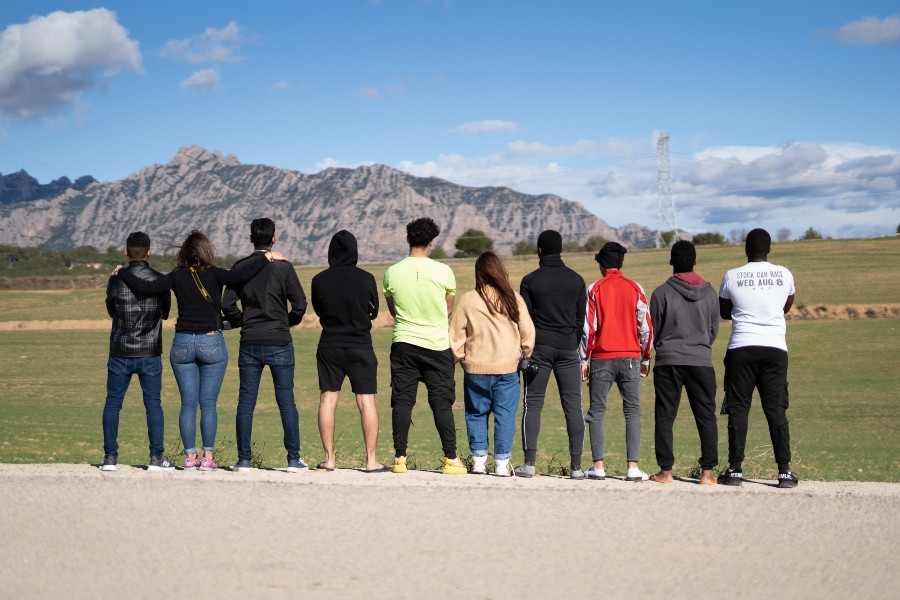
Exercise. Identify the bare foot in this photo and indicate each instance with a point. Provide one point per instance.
(707, 478)
(662, 477)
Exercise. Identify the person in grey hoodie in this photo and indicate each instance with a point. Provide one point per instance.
(345, 298)
(685, 316)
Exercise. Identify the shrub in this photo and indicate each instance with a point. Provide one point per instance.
(472, 243)
(708, 238)
(524, 248)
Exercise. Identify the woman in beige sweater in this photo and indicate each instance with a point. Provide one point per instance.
(490, 330)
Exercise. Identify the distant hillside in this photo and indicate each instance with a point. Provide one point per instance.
(22, 187)
(204, 190)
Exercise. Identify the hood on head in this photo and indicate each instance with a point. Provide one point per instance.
(342, 250)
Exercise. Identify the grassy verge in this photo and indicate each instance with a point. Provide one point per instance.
(844, 417)
(826, 272)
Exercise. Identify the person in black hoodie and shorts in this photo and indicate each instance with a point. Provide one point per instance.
(265, 323)
(685, 316)
(346, 299)
(556, 298)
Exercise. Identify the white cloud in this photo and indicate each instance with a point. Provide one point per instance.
(367, 93)
(280, 86)
(482, 127)
(213, 46)
(870, 31)
(203, 82)
(841, 189)
(393, 89)
(47, 63)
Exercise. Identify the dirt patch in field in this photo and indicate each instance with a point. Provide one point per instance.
(821, 312)
(843, 312)
(383, 321)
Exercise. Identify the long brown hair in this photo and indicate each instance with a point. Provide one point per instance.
(196, 251)
(489, 272)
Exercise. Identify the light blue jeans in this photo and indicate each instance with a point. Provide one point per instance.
(198, 362)
(485, 394)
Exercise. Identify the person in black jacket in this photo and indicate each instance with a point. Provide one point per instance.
(265, 323)
(198, 355)
(135, 347)
(346, 299)
(556, 298)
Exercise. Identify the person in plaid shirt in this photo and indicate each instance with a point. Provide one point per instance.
(135, 347)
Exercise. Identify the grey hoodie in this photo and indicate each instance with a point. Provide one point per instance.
(685, 319)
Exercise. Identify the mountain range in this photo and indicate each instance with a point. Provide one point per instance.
(199, 189)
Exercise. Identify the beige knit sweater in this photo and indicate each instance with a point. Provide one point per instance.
(487, 344)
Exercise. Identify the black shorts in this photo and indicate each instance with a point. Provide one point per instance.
(359, 364)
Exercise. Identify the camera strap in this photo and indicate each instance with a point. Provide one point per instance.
(206, 295)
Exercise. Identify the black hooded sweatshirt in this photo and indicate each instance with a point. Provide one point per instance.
(345, 297)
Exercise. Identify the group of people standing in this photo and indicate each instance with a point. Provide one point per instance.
(602, 334)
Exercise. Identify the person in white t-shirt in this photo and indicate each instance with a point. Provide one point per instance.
(755, 298)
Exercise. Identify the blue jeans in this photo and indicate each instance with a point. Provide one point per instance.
(251, 361)
(118, 375)
(198, 362)
(626, 373)
(484, 394)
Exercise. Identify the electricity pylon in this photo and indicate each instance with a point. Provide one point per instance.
(665, 205)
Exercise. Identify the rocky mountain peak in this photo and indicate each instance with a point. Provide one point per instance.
(197, 155)
(200, 189)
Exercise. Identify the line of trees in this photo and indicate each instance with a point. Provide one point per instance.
(84, 260)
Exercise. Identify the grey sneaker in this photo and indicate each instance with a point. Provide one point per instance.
(524, 471)
(296, 464)
(109, 462)
(576, 474)
(242, 465)
(158, 463)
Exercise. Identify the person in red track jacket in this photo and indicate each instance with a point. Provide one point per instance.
(617, 339)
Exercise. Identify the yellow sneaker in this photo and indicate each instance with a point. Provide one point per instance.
(454, 466)
(399, 465)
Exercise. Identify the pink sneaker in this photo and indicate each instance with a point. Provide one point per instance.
(208, 464)
(191, 464)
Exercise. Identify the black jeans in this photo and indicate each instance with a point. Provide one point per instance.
(409, 365)
(566, 367)
(765, 369)
(700, 384)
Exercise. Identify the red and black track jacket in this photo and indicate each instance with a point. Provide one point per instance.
(617, 321)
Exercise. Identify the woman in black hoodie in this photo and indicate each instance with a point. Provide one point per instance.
(345, 298)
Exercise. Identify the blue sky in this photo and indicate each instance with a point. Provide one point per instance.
(780, 114)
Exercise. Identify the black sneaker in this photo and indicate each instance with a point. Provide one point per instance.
(730, 477)
(241, 465)
(787, 480)
(158, 463)
(296, 464)
(109, 462)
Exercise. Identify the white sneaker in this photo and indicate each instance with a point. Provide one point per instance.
(502, 468)
(595, 473)
(479, 465)
(635, 474)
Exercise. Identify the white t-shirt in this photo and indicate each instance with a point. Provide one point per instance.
(758, 292)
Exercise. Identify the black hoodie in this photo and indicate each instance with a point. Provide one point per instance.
(345, 297)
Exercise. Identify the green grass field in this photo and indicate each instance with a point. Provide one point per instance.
(844, 414)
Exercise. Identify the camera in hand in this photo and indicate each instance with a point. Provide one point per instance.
(526, 365)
